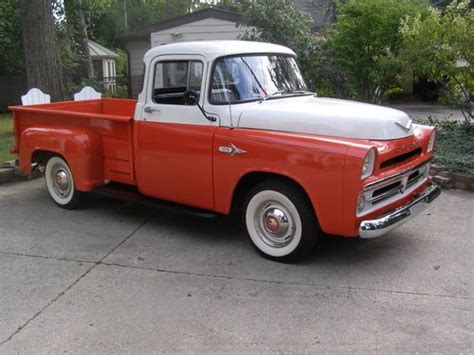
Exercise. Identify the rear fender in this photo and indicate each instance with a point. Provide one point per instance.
(80, 147)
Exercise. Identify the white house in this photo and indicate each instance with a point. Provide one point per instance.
(209, 24)
(103, 61)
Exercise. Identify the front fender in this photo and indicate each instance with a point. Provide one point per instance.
(316, 164)
(80, 147)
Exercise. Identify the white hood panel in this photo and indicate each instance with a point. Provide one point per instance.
(324, 116)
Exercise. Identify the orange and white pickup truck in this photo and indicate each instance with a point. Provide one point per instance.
(228, 126)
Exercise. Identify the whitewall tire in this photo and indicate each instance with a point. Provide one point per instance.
(60, 183)
(280, 221)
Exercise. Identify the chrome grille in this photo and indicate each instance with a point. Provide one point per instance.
(388, 190)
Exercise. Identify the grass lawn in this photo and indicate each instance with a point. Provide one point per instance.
(6, 137)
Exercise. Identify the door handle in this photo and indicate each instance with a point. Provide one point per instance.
(149, 109)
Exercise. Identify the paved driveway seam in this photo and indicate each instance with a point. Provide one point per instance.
(347, 288)
(84, 274)
(58, 258)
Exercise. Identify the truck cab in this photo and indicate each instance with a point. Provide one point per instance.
(228, 126)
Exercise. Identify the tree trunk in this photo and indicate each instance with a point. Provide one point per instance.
(80, 43)
(43, 68)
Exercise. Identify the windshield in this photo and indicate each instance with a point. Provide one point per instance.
(255, 77)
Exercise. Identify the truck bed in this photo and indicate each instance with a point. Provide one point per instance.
(112, 119)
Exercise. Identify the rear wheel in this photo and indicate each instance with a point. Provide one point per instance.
(60, 183)
(280, 221)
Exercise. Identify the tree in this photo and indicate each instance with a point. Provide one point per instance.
(78, 40)
(440, 47)
(11, 50)
(277, 21)
(43, 69)
(230, 5)
(366, 42)
(108, 19)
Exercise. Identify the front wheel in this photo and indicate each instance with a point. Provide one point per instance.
(60, 183)
(280, 221)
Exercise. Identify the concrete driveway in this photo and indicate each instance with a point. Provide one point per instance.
(119, 277)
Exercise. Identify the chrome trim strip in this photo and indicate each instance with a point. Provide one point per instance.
(414, 181)
(377, 227)
(389, 179)
(386, 194)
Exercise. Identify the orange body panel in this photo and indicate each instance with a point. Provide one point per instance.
(315, 163)
(174, 162)
(94, 136)
(353, 185)
(328, 169)
(182, 163)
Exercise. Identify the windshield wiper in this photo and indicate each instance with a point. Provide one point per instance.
(301, 92)
(253, 74)
(286, 91)
(279, 92)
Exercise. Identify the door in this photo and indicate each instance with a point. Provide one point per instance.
(173, 140)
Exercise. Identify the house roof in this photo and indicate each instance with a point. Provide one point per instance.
(221, 14)
(98, 51)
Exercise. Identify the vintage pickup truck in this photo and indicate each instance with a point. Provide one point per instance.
(228, 126)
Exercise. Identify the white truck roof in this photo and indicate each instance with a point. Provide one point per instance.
(214, 49)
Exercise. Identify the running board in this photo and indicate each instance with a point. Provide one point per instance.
(130, 194)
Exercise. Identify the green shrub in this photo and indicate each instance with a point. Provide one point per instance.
(365, 44)
(455, 144)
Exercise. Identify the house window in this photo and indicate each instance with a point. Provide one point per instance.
(173, 78)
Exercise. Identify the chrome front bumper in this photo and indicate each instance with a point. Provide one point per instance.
(376, 227)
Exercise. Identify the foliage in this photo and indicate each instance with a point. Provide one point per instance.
(6, 138)
(108, 19)
(365, 44)
(455, 144)
(435, 44)
(277, 21)
(230, 5)
(72, 36)
(11, 50)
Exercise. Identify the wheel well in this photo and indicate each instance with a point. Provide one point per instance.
(247, 182)
(40, 157)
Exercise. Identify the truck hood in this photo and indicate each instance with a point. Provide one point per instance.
(325, 116)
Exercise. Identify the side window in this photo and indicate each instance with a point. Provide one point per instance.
(173, 78)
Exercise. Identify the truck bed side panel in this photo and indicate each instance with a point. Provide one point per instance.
(109, 119)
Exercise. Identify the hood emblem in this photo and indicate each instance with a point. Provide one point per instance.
(231, 149)
(405, 147)
(407, 127)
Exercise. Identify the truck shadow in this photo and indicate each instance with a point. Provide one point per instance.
(229, 232)
(226, 235)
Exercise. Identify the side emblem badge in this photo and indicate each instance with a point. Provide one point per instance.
(231, 149)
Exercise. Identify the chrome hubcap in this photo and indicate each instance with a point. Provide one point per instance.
(274, 224)
(61, 181)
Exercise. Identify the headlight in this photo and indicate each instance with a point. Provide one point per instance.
(431, 143)
(369, 163)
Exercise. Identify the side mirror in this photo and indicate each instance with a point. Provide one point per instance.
(191, 97)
